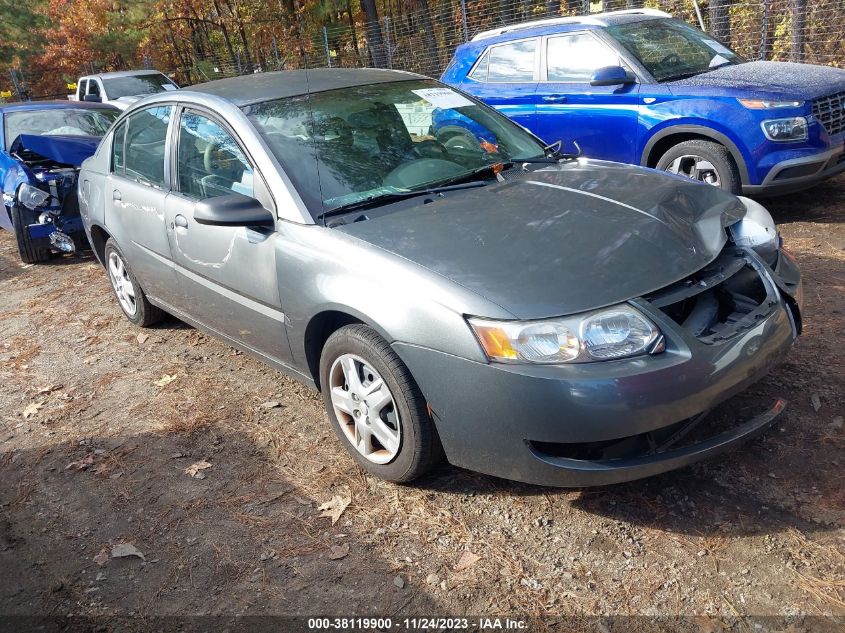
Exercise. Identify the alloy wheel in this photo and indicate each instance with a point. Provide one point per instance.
(122, 284)
(365, 408)
(696, 168)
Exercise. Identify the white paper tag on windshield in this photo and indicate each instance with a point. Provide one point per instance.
(719, 48)
(168, 86)
(443, 97)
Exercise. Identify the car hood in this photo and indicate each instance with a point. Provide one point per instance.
(67, 150)
(562, 240)
(792, 80)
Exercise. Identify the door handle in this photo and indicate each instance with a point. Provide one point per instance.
(181, 221)
(115, 195)
(554, 98)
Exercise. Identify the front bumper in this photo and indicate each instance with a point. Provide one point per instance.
(497, 419)
(795, 174)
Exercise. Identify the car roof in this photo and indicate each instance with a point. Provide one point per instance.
(563, 24)
(21, 106)
(123, 73)
(248, 89)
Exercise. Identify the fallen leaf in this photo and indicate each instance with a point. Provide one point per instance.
(399, 582)
(142, 338)
(194, 469)
(335, 507)
(272, 404)
(102, 558)
(81, 464)
(816, 402)
(49, 389)
(32, 408)
(165, 380)
(125, 550)
(339, 551)
(708, 625)
(467, 560)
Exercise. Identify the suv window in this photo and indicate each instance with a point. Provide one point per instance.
(513, 62)
(82, 87)
(118, 149)
(146, 137)
(210, 163)
(93, 87)
(574, 58)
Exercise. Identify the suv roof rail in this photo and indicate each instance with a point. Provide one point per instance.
(596, 19)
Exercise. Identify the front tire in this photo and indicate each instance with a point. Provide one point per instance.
(705, 161)
(375, 407)
(130, 296)
(29, 252)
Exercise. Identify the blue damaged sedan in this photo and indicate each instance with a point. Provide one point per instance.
(43, 145)
(526, 313)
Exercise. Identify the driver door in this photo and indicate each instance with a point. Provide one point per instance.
(226, 275)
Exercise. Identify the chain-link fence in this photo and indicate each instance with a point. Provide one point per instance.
(424, 39)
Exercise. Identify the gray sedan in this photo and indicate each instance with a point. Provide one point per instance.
(450, 285)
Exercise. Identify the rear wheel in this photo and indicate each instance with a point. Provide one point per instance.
(30, 253)
(375, 407)
(128, 291)
(705, 161)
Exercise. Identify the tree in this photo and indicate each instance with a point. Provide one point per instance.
(375, 39)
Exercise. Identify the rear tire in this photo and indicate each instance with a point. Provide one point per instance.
(29, 252)
(395, 442)
(130, 296)
(705, 161)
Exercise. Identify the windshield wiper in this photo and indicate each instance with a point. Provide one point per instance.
(381, 199)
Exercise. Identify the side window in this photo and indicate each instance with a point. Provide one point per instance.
(209, 161)
(93, 87)
(512, 62)
(118, 149)
(479, 73)
(574, 58)
(82, 88)
(146, 139)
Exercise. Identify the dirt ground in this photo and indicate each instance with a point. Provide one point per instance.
(99, 422)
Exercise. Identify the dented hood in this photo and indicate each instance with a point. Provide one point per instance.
(562, 240)
(67, 150)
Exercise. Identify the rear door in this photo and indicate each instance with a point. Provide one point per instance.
(135, 193)
(505, 77)
(602, 119)
(227, 275)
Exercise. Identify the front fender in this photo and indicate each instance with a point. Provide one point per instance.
(322, 270)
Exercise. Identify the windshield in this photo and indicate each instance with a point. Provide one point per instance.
(352, 144)
(58, 122)
(670, 49)
(137, 85)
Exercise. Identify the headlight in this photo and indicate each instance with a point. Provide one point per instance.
(757, 230)
(790, 129)
(32, 197)
(769, 104)
(606, 334)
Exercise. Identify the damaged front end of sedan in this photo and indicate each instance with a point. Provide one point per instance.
(46, 200)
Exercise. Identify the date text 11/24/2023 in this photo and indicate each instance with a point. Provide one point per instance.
(418, 624)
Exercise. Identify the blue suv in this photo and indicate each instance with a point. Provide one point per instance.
(640, 87)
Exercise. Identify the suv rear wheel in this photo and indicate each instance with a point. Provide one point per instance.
(705, 161)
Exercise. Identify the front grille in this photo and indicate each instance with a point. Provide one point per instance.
(830, 112)
(723, 300)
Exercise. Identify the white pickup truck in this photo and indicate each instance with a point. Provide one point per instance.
(121, 89)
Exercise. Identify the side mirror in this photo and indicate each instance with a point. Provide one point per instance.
(233, 210)
(612, 76)
(93, 98)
